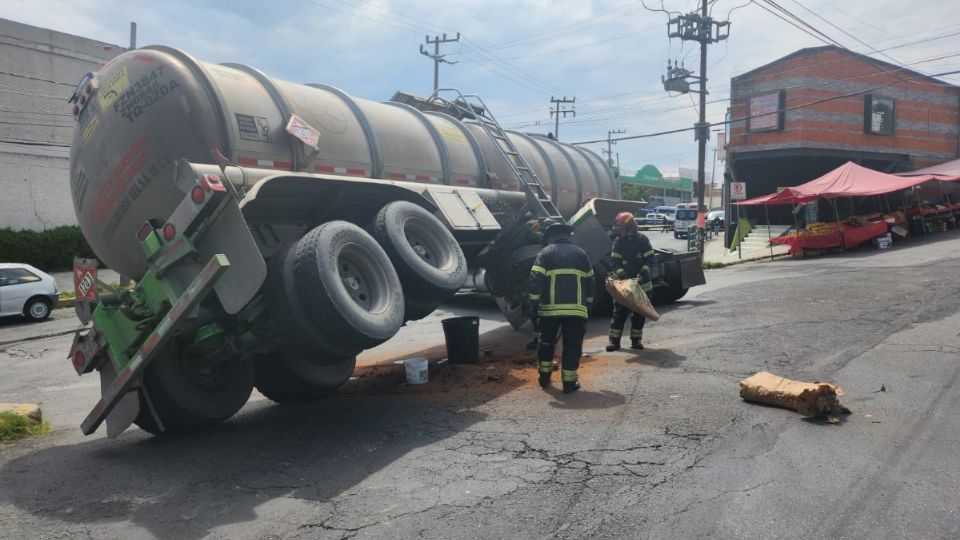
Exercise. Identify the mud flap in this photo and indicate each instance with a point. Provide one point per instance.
(126, 409)
(120, 386)
(513, 313)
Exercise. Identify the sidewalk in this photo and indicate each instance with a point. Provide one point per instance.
(715, 252)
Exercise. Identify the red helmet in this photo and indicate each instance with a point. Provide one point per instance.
(626, 223)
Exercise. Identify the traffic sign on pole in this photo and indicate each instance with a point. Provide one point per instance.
(738, 191)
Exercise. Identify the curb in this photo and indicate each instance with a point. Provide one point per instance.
(41, 336)
(31, 411)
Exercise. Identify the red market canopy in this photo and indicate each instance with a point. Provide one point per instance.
(947, 172)
(848, 180)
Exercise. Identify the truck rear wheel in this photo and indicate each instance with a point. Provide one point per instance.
(424, 253)
(290, 377)
(190, 392)
(297, 329)
(348, 285)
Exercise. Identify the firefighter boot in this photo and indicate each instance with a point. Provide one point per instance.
(613, 345)
(636, 344)
(571, 381)
(546, 370)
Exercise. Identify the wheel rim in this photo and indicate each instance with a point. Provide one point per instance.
(38, 310)
(362, 278)
(427, 243)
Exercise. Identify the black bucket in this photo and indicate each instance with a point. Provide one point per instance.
(462, 335)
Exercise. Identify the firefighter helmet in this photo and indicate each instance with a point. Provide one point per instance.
(626, 223)
(554, 230)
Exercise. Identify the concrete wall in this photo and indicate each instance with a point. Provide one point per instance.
(39, 70)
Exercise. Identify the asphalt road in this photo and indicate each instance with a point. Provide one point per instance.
(657, 444)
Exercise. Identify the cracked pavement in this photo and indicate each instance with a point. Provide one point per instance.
(657, 445)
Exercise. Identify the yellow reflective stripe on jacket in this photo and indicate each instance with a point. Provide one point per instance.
(569, 272)
(649, 253)
(538, 269)
(533, 296)
(563, 310)
(616, 255)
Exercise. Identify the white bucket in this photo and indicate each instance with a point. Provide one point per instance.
(417, 370)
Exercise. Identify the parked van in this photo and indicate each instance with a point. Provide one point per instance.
(686, 217)
(669, 211)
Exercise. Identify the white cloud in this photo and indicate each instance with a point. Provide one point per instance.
(370, 48)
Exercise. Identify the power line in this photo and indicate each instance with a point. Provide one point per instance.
(793, 21)
(786, 109)
(578, 24)
(580, 46)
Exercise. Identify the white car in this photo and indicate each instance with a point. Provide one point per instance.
(24, 290)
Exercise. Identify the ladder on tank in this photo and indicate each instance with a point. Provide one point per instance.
(471, 106)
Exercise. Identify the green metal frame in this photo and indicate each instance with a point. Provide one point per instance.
(743, 229)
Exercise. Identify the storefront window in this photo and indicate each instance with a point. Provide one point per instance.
(878, 115)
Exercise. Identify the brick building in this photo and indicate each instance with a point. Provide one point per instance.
(811, 111)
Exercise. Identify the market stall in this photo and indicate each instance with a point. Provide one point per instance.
(847, 181)
(939, 208)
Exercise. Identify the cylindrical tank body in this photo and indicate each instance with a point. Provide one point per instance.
(149, 107)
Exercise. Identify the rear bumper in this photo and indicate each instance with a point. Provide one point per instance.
(54, 299)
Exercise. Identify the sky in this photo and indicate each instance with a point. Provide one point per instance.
(517, 54)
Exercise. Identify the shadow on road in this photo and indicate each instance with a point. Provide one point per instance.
(585, 399)
(283, 457)
(664, 358)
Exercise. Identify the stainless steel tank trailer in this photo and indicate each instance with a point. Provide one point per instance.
(275, 230)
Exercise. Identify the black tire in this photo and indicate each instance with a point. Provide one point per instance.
(291, 377)
(187, 395)
(423, 251)
(348, 285)
(414, 310)
(297, 330)
(37, 308)
(602, 301)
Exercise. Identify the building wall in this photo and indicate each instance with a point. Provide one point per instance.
(39, 70)
(927, 113)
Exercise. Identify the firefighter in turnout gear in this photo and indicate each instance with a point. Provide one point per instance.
(560, 289)
(633, 257)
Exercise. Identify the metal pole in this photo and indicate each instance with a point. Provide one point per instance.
(436, 63)
(739, 237)
(713, 175)
(766, 209)
(836, 214)
(556, 125)
(133, 35)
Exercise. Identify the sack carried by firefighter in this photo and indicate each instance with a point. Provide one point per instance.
(627, 292)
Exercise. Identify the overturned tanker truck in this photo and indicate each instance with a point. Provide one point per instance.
(275, 230)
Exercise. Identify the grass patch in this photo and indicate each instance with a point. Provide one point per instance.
(14, 427)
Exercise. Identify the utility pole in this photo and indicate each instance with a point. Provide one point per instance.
(565, 111)
(436, 56)
(713, 177)
(610, 143)
(702, 28)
